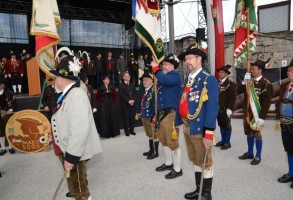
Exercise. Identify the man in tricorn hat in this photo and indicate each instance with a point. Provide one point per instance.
(227, 99)
(198, 109)
(256, 112)
(7, 106)
(169, 86)
(73, 127)
(146, 110)
(284, 113)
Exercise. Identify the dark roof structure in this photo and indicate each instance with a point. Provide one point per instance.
(114, 11)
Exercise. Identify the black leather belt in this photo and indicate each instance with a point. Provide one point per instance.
(286, 120)
(286, 101)
(163, 113)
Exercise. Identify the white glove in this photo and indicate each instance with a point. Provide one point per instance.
(94, 110)
(9, 75)
(229, 112)
(260, 122)
(247, 76)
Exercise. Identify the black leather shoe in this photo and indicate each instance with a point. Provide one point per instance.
(147, 153)
(2, 152)
(11, 151)
(152, 156)
(219, 144)
(174, 174)
(285, 178)
(0, 174)
(246, 156)
(291, 186)
(192, 195)
(255, 161)
(68, 194)
(127, 133)
(132, 133)
(164, 167)
(226, 146)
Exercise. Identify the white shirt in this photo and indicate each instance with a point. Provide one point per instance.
(147, 89)
(258, 78)
(192, 76)
(68, 87)
(223, 80)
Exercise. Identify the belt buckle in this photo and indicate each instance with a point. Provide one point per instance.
(185, 121)
(286, 120)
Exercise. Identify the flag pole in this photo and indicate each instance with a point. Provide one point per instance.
(248, 63)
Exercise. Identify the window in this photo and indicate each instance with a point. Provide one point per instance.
(90, 33)
(14, 28)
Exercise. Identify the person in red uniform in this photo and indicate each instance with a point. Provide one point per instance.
(15, 72)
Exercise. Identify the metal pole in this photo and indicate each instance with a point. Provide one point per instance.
(171, 27)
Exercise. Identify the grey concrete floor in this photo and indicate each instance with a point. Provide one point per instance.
(121, 172)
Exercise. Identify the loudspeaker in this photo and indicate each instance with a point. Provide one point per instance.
(200, 34)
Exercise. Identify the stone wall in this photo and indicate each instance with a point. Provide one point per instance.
(277, 46)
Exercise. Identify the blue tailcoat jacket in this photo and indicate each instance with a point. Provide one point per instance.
(206, 119)
(169, 87)
(147, 105)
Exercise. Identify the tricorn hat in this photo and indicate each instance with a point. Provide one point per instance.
(198, 49)
(262, 64)
(171, 58)
(147, 74)
(225, 68)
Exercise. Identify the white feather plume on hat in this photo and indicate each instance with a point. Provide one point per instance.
(87, 56)
(63, 49)
(74, 66)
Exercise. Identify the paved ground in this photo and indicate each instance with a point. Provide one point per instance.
(121, 172)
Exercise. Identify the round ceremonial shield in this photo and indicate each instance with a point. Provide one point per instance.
(28, 131)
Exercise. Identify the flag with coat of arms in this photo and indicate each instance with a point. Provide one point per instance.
(146, 14)
(244, 10)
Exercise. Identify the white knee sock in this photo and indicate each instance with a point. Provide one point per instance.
(19, 88)
(168, 155)
(208, 173)
(176, 157)
(197, 168)
(14, 88)
(2, 142)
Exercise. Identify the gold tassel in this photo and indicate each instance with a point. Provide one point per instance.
(174, 133)
(204, 93)
(277, 125)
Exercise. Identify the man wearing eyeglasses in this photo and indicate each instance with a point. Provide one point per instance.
(284, 113)
(169, 86)
(198, 110)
